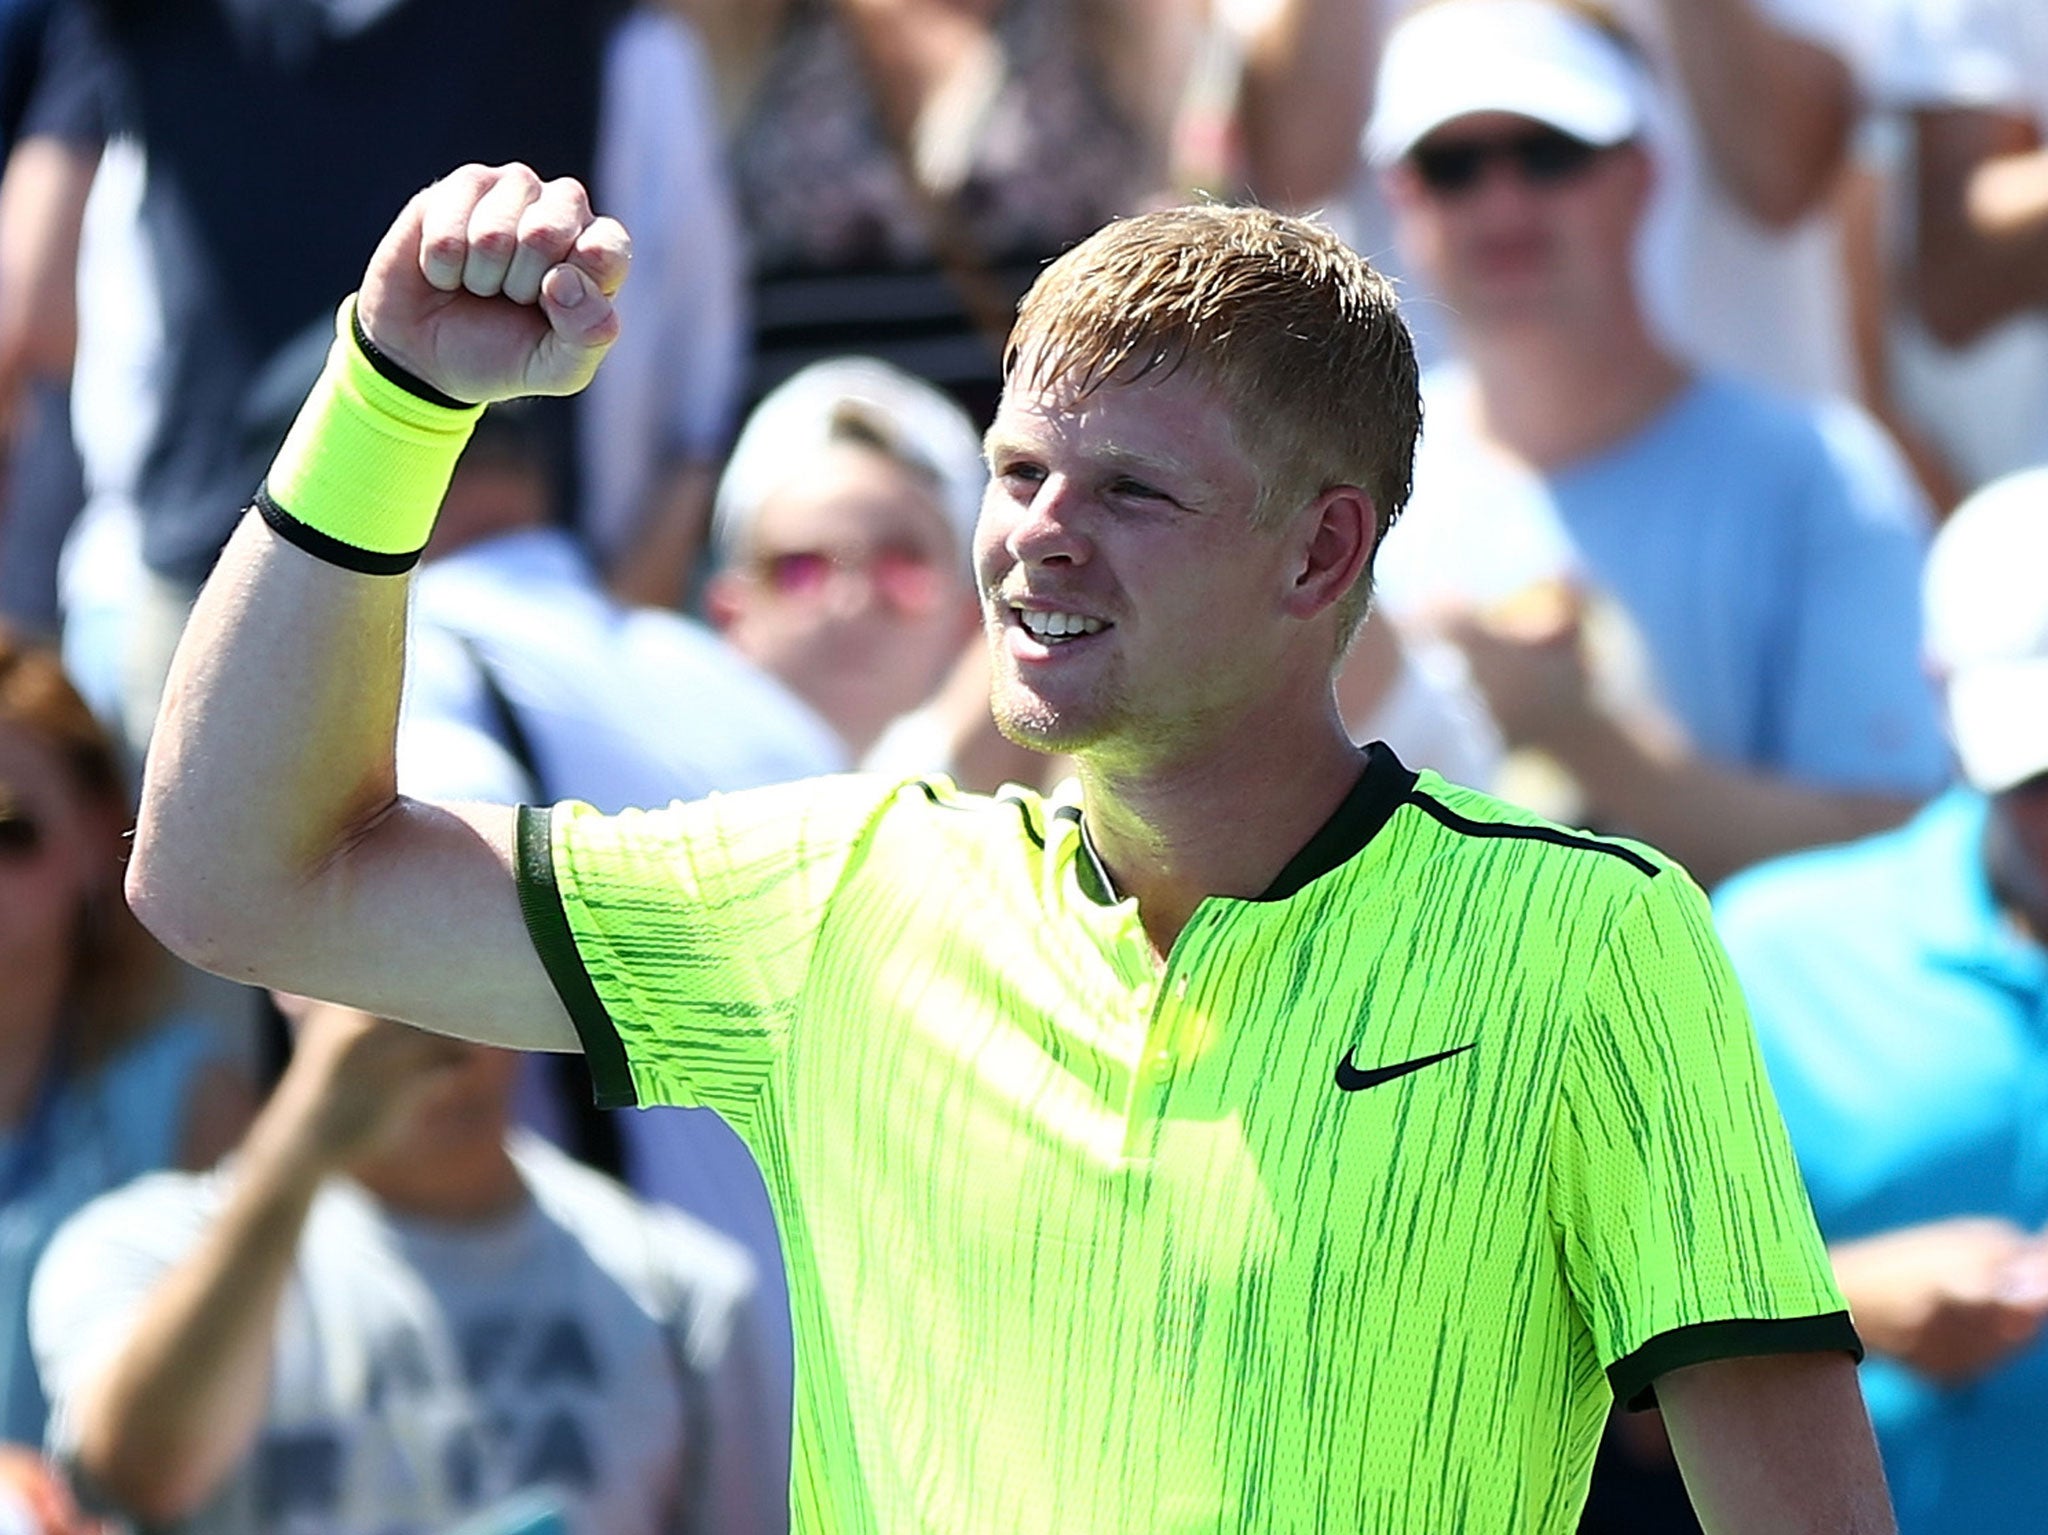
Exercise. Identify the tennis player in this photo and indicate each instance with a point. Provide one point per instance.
(1261, 1137)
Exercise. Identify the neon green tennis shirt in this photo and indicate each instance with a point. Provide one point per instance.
(1353, 1217)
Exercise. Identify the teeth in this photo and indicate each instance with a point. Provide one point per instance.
(1057, 626)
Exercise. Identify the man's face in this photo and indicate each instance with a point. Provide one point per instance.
(1133, 609)
(852, 590)
(1511, 221)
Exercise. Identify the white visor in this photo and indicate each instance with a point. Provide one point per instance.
(1528, 58)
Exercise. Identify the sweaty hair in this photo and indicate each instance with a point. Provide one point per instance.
(117, 971)
(1298, 333)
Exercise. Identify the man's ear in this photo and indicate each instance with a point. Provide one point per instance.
(1338, 533)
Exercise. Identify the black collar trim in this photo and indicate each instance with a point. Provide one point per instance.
(1380, 789)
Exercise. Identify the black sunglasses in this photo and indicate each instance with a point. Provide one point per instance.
(1540, 156)
(21, 835)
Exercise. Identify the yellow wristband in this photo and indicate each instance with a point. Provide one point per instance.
(362, 472)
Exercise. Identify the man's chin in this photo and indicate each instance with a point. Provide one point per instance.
(1036, 725)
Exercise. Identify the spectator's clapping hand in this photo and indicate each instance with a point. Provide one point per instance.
(1951, 1298)
(1532, 674)
(355, 1079)
(32, 1491)
(494, 284)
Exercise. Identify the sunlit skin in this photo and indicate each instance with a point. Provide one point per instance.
(1508, 250)
(846, 650)
(1131, 506)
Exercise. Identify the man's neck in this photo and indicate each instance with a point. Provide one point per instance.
(1553, 394)
(1224, 824)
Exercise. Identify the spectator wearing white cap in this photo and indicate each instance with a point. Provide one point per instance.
(1900, 989)
(841, 531)
(1739, 258)
(1761, 553)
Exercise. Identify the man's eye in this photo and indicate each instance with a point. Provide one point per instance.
(1137, 488)
(1021, 474)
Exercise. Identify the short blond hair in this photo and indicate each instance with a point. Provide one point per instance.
(1299, 334)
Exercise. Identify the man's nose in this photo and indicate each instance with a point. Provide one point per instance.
(1050, 529)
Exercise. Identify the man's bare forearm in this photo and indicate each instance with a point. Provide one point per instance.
(273, 845)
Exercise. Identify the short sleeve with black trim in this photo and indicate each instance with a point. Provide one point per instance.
(1352, 1215)
(694, 926)
(1658, 1202)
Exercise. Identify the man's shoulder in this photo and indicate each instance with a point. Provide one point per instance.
(1720, 412)
(1477, 822)
(824, 809)
(1496, 863)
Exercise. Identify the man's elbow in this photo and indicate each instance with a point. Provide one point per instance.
(183, 913)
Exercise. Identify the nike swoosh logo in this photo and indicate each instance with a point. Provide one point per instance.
(1353, 1080)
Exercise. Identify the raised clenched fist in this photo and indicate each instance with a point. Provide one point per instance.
(493, 284)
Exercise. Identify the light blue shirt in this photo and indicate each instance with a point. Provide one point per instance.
(1767, 550)
(1904, 1020)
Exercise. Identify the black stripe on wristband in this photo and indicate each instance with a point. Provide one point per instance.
(392, 373)
(324, 546)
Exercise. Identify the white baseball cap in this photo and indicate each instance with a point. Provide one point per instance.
(1986, 595)
(808, 412)
(1526, 57)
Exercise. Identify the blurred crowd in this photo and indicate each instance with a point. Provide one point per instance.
(1729, 531)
